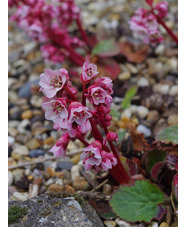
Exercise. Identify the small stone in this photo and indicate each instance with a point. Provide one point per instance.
(38, 131)
(153, 224)
(15, 113)
(22, 150)
(59, 182)
(49, 181)
(27, 114)
(126, 113)
(160, 49)
(36, 101)
(143, 129)
(110, 223)
(80, 184)
(24, 123)
(12, 131)
(13, 123)
(142, 111)
(16, 156)
(75, 159)
(66, 176)
(11, 140)
(124, 76)
(34, 144)
(153, 116)
(22, 196)
(164, 224)
(49, 141)
(143, 82)
(161, 124)
(10, 178)
(12, 189)
(18, 173)
(52, 173)
(161, 88)
(132, 68)
(36, 153)
(172, 120)
(55, 188)
(174, 90)
(122, 223)
(24, 91)
(174, 224)
(64, 165)
(107, 189)
(75, 172)
(42, 189)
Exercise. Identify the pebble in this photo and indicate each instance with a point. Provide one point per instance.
(24, 91)
(12, 131)
(64, 165)
(126, 113)
(11, 140)
(153, 116)
(164, 224)
(160, 49)
(172, 120)
(13, 123)
(12, 96)
(50, 181)
(36, 101)
(142, 111)
(143, 82)
(12, 189)
(122, 223)
(27, 114)
(21, 127)
(124, 76)
(161, 124)
(49, 141)
(75, 159)
(131, 68)
(80, 183)
(22, 150)
(161, 88)
(18, 173)
(42, 189)
(36, 153)
(22, 196)
(55, 188)
(153, 224)
(107, 189)
(59, 182)
(110, 223)
(75, 172)
(15, 113)
(34, 144)
(173, 90)
(10, 178)
(66, 176)
(143, 129)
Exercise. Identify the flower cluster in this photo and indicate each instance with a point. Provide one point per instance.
(145, 23)
(75, 119)
(47, 23)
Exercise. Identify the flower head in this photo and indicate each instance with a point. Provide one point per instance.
(108, 160)
(89, 71)
(162, 9)
(105, 83)
(55, 110)
(59, 150)
(53, 81)
(91, 155)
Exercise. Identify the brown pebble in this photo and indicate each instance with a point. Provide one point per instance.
(153, 116)
(30, 177)
(52, 173)
(27, 114)
(107, 189)
(55, 188)
(38, 131)
(49, 141)
(38, 181)
(12, 131)
(75, 159)
(172, 120)
(80, 183)
(161, 124)
(34, 144)
(37, 112)
(164, 224)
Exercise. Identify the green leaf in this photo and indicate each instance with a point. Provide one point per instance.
(138, 202)
(128, 97)
(108, 215)
(114, 113)
(106, 48)
(169, 134)
(154, 157)
(121, 135)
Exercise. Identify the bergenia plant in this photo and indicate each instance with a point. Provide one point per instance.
(145, 23)
(76, 118)
(48, 23)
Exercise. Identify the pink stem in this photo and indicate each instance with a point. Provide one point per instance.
(84, 97)
(160, 21)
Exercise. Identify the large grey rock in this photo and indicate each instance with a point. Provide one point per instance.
(51, 210)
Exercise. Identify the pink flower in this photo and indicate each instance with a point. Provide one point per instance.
(78, 113)
(53, 81)
(61, 145)
(55, 110)
(108, 160)
(105, 83)
(98, 95)
(162, 9)
(89, 71)
(112, 136)
(91, 155)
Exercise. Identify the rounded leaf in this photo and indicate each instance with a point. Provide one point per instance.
(169, 134)
(139, 202)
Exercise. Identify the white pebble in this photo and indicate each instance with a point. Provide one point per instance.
(153, 224)
(22, 150)
(143, 82)
(122, 223)
(133, 108)
(11, 140)
(142, 111)
(174, 90)
(75, 172)
(161, 88)
(160, 49)
(22, 196)
(126, 113)
(10, 178)
(143, 129)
